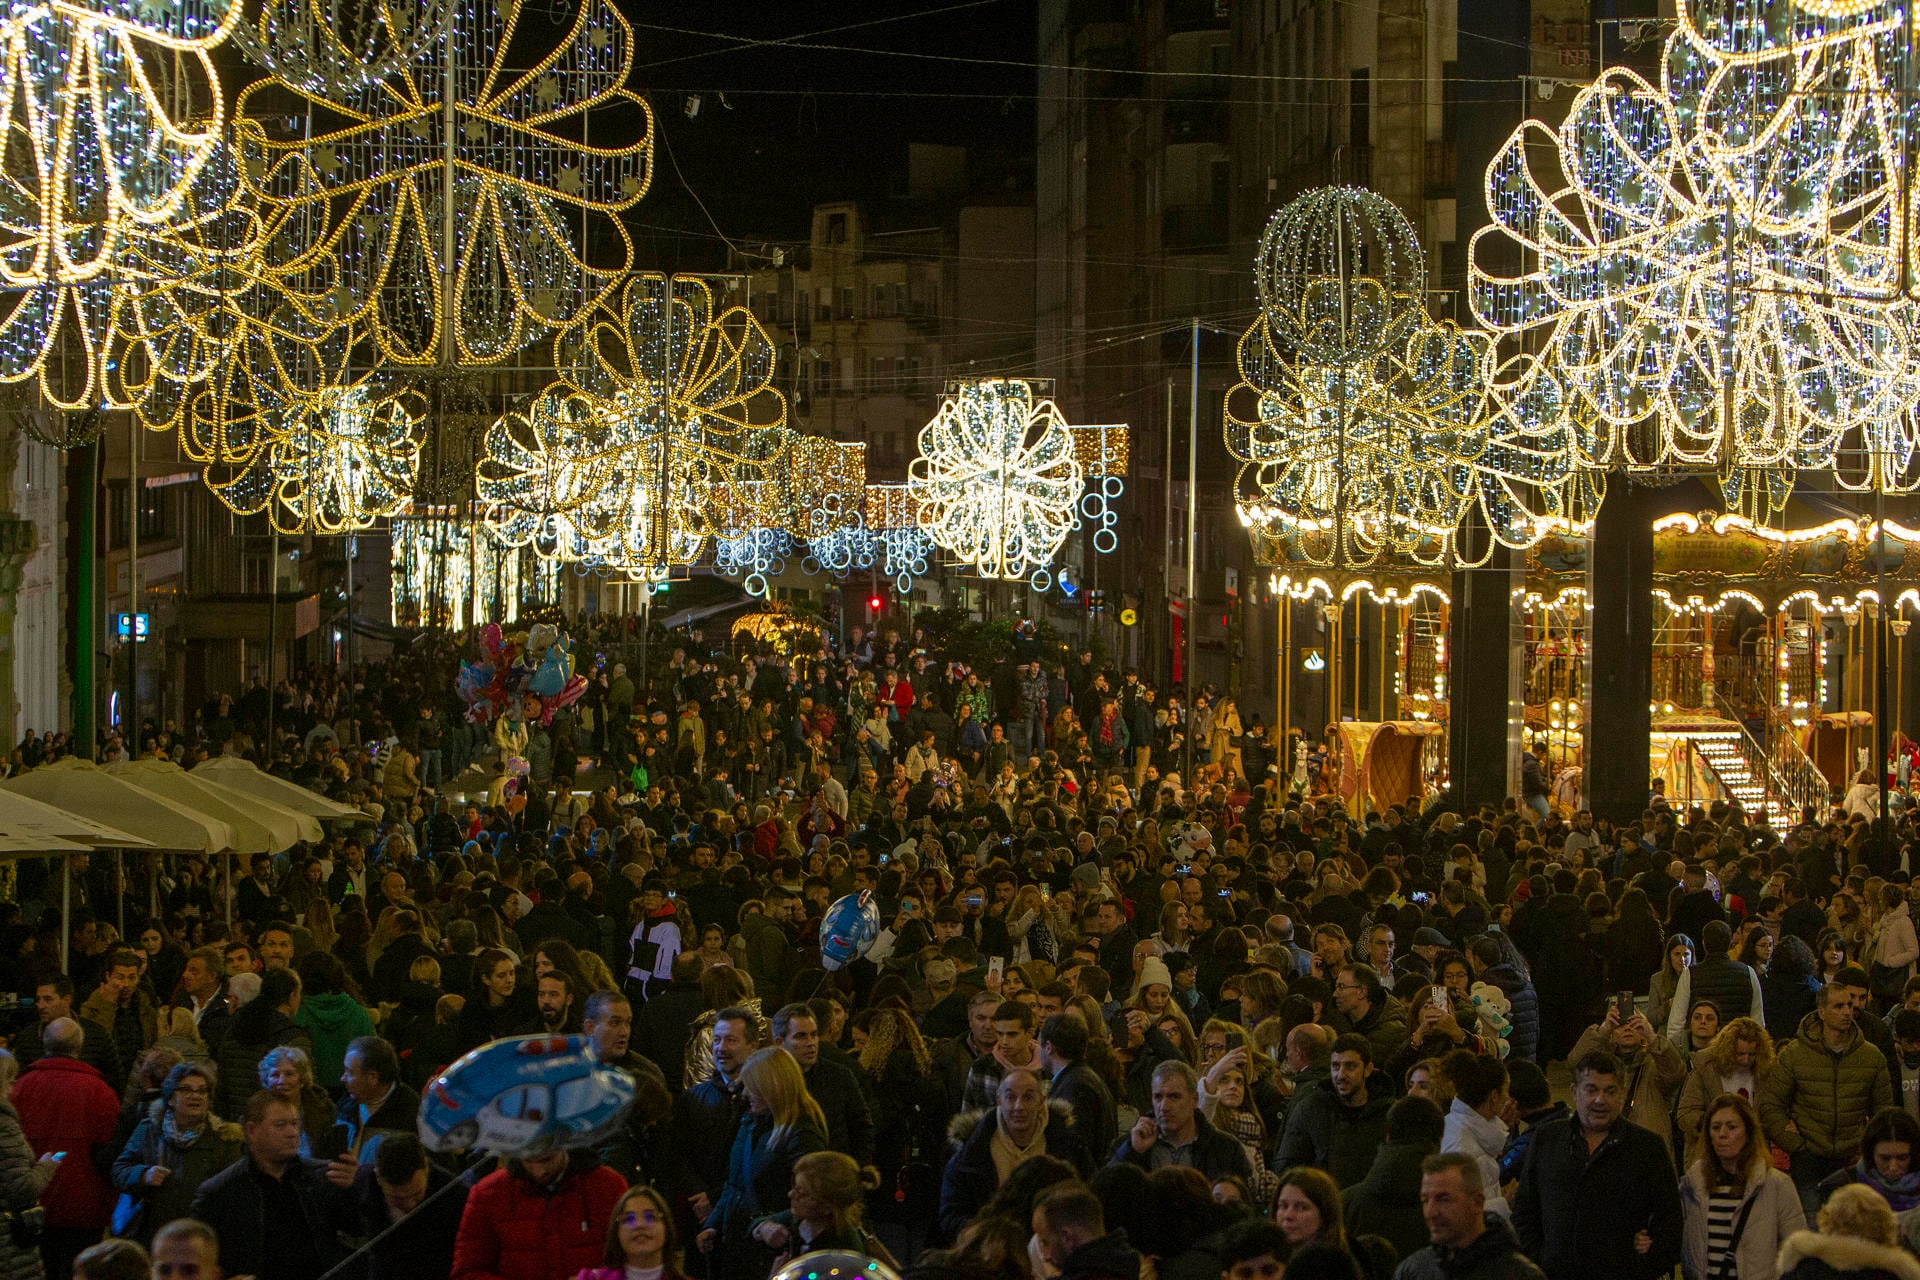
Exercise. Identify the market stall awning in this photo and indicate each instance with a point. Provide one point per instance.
(239, 774)
(19, 844)
(28, 818)
(255, 828)
(79, 786)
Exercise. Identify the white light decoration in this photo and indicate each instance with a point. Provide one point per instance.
(337, 466)
(460, 193)
(1712, 267)
(997, 480)
(448, 572)
(1364, 428)
(328, 47)
(898, 542)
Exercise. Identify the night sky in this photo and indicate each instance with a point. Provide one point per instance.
(801, 124)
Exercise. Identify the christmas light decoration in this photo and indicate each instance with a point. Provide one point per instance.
(329, 47)
(1363, 427)
(334, 467)
(1712, 266)
(459, 194)
(997, 480)
(448, 572)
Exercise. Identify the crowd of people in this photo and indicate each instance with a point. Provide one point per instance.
(1141, 1002)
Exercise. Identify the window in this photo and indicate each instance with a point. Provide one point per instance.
(836, 228)
(825, 296)
(900, 296)
(880, 299)
(846, 301)
(528, 1102)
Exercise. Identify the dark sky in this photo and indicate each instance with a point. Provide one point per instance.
(801, 124)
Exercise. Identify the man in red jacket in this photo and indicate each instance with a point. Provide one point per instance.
(67, 1106)
(542, 1218)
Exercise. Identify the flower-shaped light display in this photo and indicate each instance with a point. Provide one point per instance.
(455, 190)
(108, 112)
(1712, 266)
(997, 480)
(329, 47)
(335, 466)
(1364, 428)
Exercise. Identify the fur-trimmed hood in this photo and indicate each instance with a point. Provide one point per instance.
(1847, 1254)
(961, 1127)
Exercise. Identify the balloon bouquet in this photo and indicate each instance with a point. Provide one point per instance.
(519, 680)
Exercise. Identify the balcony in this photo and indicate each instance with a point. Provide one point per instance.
(1193, 228)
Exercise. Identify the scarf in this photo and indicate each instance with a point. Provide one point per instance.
(1008, 1154)
(174, 1134)
(1900, 1196)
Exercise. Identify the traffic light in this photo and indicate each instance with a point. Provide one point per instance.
(874, 603)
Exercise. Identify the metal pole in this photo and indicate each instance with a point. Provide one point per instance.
(1881, 730)
(133, 593)
(273, 628)
(1166, 515)
(66, 911)
(1193, 482)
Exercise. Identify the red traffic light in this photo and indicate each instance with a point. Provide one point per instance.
(873, 603)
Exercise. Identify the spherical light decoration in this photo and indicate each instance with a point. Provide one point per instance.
(1340, 274)
(996, 480)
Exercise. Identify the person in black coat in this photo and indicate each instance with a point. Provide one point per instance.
(274, 1213)
(399, 1185)
(849, 1122)
(660, 1026)
(1594, 1183)
(377, 1101)
(1063, 1051)
(1031, 1123)
(1178, 1122)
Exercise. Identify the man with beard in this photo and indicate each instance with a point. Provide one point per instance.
(554, 996)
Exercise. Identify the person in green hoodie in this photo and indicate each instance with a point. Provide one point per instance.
(330, 1015)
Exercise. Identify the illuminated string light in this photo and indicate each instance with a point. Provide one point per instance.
(997, 479)
(338, 466)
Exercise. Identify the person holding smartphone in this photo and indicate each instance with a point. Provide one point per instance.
(1651, 1064)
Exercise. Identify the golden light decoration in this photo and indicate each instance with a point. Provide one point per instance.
(460, 193)
(449, 572)
(337, 466)
(328, 47)
(1712, 266)
(639, 456)
(108, 115)
(1363, 427)
(996, 480)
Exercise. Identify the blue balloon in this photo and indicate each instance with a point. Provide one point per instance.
(848, 930)
(552, 675)
(525, 1096)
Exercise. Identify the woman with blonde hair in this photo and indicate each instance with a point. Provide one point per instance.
(782, 1124)
(1229, 1107)
(1030, 927)
(1736, 1061)
(823, 1211)
(1859, 1238)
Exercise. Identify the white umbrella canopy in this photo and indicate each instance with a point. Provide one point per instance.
(241, 775)
(24, 844)
(254, 829)
(24, 817)
(80, 786)
(303, 825)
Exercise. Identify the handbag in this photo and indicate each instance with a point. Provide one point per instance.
(1886, 982)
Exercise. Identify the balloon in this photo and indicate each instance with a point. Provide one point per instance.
(551, 677)
(835, 1264)
(525, 1096)
(542, 637)
(848, 930)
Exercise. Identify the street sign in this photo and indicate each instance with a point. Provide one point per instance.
(130, 626)
(1128, 617)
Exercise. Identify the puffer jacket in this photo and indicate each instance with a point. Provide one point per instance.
(1469, 1133)
(65, 1105)
(22, 1179)
(1702, 1086)
(1324, 1132)
(1825, 1097)
(1524, 1040)
(514, 1230)
(1810, 1255)
(1776, 1215)
(216, 1146)
(239, 1063)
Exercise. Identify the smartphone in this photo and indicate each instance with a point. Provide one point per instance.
(1183, 869)
(1235, 1041)
(995, 967)
(673, 893)
(1226, 893)
(1623, 1006)
(1423, 899)
(906, 904)
(1441, 1000)
(975, 900)
(885, 858)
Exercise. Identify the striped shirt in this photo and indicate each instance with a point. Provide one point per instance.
(1723, 1206)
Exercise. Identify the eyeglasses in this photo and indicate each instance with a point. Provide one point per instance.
(642, 1218)
(193, 1091)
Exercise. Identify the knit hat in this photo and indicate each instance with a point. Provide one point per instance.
(1428, 936)
(1153, 971)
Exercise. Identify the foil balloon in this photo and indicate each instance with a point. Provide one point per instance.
(835, 1264)
(525, 1096)
(848, 930)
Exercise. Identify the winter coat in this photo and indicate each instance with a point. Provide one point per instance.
(1577, 1212)
(1812, 1255)
(1894, 945)
(1218, 1155)
(22, 1179)
(239, 1062)
(332, 1022)
(1471, 1134)
(849, 1122)
(1826, 1096)
(1108, 1258)
(1094, 1115)
(65, 1105)
(1384, 1025)
(1324, 1132)
(514, 1230)
(216, 1146)
(1514, 1158)
(1524, 1040)
(759, 1176)
(232, 1203)
(1494, 1256)
(1653, 1078)
(398, 1113)
(1776, 1215)
(1703, 1084)
(971, 1179)
(1787, 999)
(1386, 1203)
